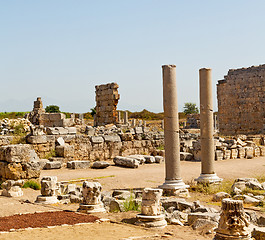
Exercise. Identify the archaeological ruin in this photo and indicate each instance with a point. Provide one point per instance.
(241, 98)
(107, 98)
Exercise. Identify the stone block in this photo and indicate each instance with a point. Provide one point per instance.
(185, 156)
(97, 139)
(149, 159)
(100, 164)
(37, 139)
(71, 130)
(78, 164)
(126, 162)
(219, 155)
(53, 165)
(249, 152)
(112, 138)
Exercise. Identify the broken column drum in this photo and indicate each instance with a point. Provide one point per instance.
(151, 215)
(233, 222)
(208, 174)
(91, 198)
(48, 190)
(173, 179)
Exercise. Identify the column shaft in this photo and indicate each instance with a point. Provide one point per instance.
(171, 123)
(206, 121)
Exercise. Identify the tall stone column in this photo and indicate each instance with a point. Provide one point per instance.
(208, 174)
(173, 179)
(125, 117)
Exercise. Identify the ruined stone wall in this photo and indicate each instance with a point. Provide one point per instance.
(107, 98)
(82, 147)
(241, 99)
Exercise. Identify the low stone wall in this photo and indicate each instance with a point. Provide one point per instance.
(82, 147)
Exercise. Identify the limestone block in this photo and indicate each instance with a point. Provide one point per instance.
(71, 130)
(138, 130)
(36, 139)
(97, 139)
(234, 153)
(256, 152)
(218, 197)
(139, 158)
(14, 191)
(149, 159)
(112, 138)
(126, 162)
(16, 153)
(249, 152)
(185, 156)
(52, 131)
(60, 141)
(100, 165)
(192, 217)
(241, 152)
(66, 151)
(90, 131)
(219, 155)
(159, 159)
(227, 154)
(78, 164)
(53, 165)
(262, 150)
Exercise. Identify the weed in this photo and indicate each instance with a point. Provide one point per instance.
(254, 192)
(32, 184)
(131, 204)
(50, 154)
(18, 140)
(207, 188)
(161, 147)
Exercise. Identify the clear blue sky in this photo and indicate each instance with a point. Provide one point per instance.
(61, 49)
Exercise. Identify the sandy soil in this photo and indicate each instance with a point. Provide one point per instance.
(115, 177)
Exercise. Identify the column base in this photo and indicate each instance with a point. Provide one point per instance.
(85, 208)
(151, 221)
(174, 185)
(208, 178)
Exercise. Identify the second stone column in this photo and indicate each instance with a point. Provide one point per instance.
(173, 179)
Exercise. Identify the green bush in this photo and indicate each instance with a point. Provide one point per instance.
(32, 184)
(52, 109)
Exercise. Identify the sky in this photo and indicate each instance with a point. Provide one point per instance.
(60, 49)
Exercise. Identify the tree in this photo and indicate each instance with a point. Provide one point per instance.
(190, 108)
(93, 111)
(52, 109)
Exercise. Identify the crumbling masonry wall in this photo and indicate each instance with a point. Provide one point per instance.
(107, 98)
(241, 99)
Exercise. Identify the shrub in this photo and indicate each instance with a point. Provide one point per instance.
(32, 184)
(52, 109)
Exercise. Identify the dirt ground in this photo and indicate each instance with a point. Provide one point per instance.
(113, 178)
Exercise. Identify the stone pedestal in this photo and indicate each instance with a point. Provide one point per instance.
(151, 209)
(91, 198)
(208, 174)
(171, 130)
(48, 190)
(233, 224)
